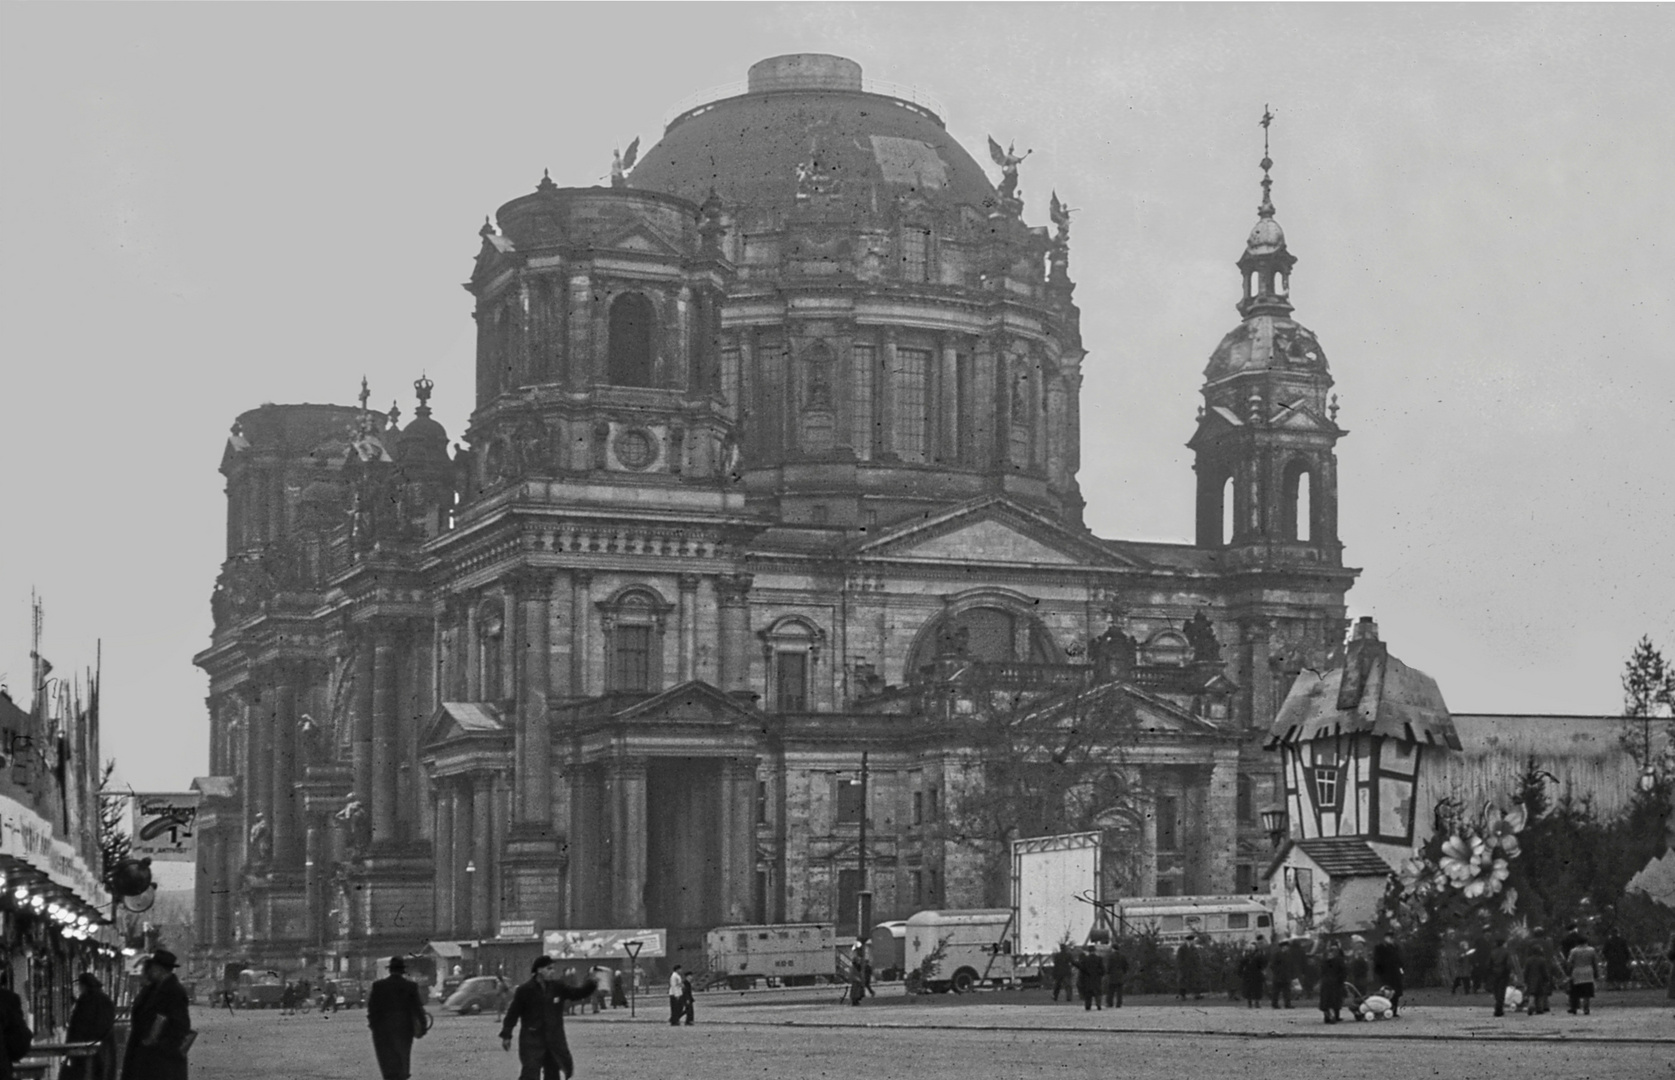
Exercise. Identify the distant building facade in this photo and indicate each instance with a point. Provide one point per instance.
(774, 449)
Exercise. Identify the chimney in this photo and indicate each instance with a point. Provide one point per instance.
(1365, 629)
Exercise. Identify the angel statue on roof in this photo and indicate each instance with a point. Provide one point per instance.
(622, 161)
(1008, 160)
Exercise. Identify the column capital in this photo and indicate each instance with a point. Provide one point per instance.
(733, 589)
(688, 582)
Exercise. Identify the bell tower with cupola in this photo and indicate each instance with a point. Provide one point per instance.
(1267, 473)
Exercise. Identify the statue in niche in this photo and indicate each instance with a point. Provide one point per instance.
(1202, 637)
(601, 444)
(261, 841)
(357, 827)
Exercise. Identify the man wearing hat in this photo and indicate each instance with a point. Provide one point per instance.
(159, 1024)
(396, 1016)
(539, 1003)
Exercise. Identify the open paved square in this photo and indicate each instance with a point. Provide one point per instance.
(807, 1034)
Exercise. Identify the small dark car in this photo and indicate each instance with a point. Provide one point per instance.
(484, 993)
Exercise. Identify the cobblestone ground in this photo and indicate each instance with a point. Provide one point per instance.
(1003, 1035)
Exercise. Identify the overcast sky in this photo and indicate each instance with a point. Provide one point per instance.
(208, 207)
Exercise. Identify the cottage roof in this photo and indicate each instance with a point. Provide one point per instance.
(1372, 692)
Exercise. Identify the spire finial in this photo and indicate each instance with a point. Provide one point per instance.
(365, 393)
(546, 183)
(1267, 208)
(422, 388)
(488, 227)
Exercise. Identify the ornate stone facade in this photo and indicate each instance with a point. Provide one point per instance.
(772, 464)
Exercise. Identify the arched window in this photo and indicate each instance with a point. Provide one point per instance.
(1297, 499)
(1226, 515)
(791, 647)
(629, 362)
(634, 621)
(818, 418)
(491, 640)
(985, 634)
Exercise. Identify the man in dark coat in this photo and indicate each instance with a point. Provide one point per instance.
(158, 1024)
(1116, 972)
(539, 1004)
(1502, 968)
(93, 1019)
(1280, 972)
(396, 1015)
(1090, 978)
(1188, 969)
(1388, 971)
(1334, 976)
(1253, 965)
(1062, 964)
(1619, 960)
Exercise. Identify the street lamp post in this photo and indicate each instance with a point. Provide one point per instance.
(1274, 821)
(471, 908)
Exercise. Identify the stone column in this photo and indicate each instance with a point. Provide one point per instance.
(482, 841)
(949, 413)
(733, 598)
(442, 855)
(1221, 822)
(628, 840)
(738, 840)
(384, 750)
(886, 399)
(286, 799)
(473, 654)
(534, 778)
(314, 902)
(688, 614)
(464, 884)
(581, 631)
(361, 748)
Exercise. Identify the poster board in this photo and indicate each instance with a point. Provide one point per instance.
(1054, 878)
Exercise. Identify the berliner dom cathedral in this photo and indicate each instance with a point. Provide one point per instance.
(767, 497)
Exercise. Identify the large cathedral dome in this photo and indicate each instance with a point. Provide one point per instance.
(803, 112)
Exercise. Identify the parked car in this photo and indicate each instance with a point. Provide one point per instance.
(259, 989)
(484, 993)
(350, 993)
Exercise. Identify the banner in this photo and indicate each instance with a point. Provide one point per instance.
(601, 944)
(165, 827)
(26, 835)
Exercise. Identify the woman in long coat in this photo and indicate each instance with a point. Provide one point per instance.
(93, 1019)
(1334, 972)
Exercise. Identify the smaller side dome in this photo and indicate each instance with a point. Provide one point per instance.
(1266, 238)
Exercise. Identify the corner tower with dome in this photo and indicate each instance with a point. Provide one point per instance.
(767, 502)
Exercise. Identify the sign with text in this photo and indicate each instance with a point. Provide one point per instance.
(165, 826)
(601, 944)
(517, 928)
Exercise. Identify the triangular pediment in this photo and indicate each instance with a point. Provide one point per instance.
(993, 530)
(1300, 417)
(464, 719)
(641, 239)
(694, 702)
(1214, 423)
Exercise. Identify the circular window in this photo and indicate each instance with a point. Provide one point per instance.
(636, 448)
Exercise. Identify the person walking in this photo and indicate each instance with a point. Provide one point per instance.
(159, 1025)
(1334, 974)
(397, 1017)
(1388, 970)
(1582, 963)
(543, 1051)
(1062, 963)
(92, 1019)
(1090, 978)
(1502, 968)
(688, 1001)
(1618, 959)
(1540, 972)
(1252, 965)
(1279, 972)
(1116, 973)
(1188, 970)
(15, 1036)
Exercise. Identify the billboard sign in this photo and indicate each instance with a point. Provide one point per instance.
(165, 826)
(602, 944)
(1055, 892)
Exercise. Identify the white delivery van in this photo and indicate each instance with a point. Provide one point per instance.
(1173, 918)
(789, 954)
(975, 948)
